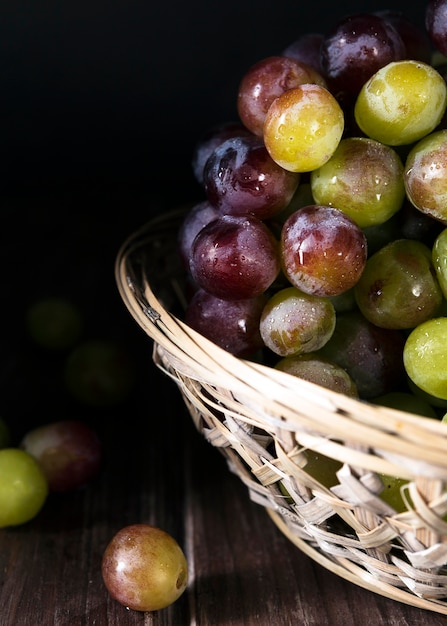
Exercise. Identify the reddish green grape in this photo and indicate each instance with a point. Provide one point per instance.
(266, 80)
(144, 568)
(363, 178)
(425, 175)
(303, 127)
(23, 487)
(323, 251)
(235, 258)
(425, 356)
(398, 287)
(294, 322)
(316, 369)
(69, 453)
(401, 103)
(231, 324)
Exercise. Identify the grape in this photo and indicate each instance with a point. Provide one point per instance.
(398, 287)
(231, 324)
(372, 356)
(210, 141)
(68, 451)
(266, 80)
(401, 103)
(316, 369)
(54, 323)
(294, 322)
(23, 487)
(235, 258)
(425, 356)
(196, 218)
(364, 178)
(322, 468)
(439, 257)
(425, 175)
(99, 372)
(303, 127)
(144, 568)
(392, 491)
(241, 178)
(323, 250)
(406, 401)
(354, 49)
(306, 49)
(436, 24)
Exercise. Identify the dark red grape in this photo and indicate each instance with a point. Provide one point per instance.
(417, 44)
(196, 218)
(231, 324)
(241, 178)
(436, 24)
(306, 49)
(235, 258)
(355, 49)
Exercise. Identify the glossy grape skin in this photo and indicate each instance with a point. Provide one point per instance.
(372, 356)
(266, 80)
(363, 178)
(68, 451)
(323, 251)
(398, 287)
(439, 258)
(196, 218)
(425, 175)
(303, 127)
(144, 568)
(294, 322)
(401, 103)
(425, 357)
(241, 178)
(99, 372)
(210, 141)
(23, 487)
(316, 369)
(235, 258)
(231, 324)
(436, 24)
(354, 49)
(306, 49)
(54, 323)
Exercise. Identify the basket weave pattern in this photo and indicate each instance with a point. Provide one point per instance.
(265, 421)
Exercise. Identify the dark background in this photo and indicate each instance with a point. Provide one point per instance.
(101, 104)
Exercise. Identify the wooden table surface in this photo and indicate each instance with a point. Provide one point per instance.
(157, 469)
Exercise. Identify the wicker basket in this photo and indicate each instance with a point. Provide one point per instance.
(264, 421)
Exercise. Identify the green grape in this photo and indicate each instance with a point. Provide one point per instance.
(439, 255)
(406, 401)
(401, 103)
(23, 487)
(54, 323)
(425, 356)
(363, 178)
(322, 468)
(391, 493)
(398, 288)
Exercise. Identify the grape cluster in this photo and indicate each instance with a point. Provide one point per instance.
(320, 246)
